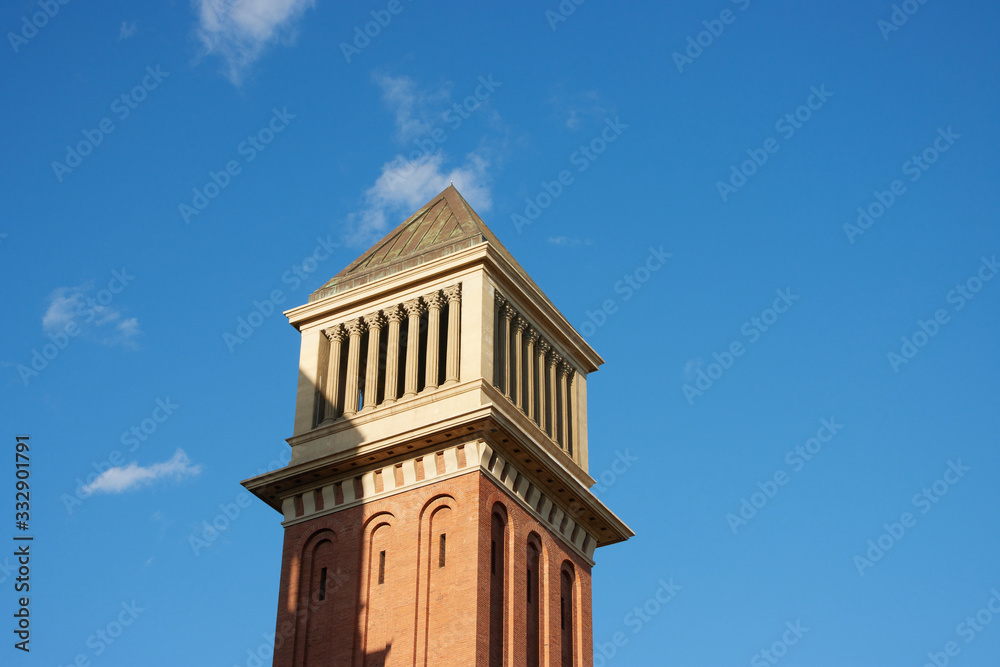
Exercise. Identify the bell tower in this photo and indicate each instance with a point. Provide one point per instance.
(436, 507)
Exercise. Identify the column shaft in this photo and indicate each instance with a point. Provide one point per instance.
(355, 328)
(508, 315)
(543, 396)
(529, 381)
(454, 295)
(393, 315)
(331, 390)
(434, 302)
(374, 323)
(413, 308)
(520, 324)
(564, 373)
(553, 361)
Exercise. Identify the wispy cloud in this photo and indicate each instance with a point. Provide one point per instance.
(239, 30)
(133, 476)
(405, 185)
(127, 30)
(82, 305)
(567, 241)
(417, 109)
(691, 368)
(578, 109)
(407, 182)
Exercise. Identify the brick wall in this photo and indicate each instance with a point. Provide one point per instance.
(425, 613)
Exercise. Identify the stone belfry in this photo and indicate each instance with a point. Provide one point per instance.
(436, 507)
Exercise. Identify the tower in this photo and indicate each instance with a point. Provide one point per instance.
(436, 507)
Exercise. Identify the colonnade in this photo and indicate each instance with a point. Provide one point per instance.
(348, 387)
(533, 375)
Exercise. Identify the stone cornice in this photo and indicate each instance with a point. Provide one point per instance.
(353, 489)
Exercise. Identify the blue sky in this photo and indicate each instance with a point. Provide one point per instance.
(813, 367)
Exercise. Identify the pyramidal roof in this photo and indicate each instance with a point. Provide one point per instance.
(444, 225)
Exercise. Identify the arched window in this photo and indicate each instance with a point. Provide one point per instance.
(498, 557)
(566, 620)
(533, 598)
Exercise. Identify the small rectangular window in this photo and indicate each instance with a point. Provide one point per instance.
(441, 551)
(381, 568)
(322, 584)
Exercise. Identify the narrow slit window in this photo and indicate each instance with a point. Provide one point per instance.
(529, 586)
(441, 549)
(322, 584)
(493, 557)
(381, 567)
(562, 613)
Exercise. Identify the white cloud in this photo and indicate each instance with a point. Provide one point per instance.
(132, 476)
(65, 303)
(413, 106)
(82, 304)
(579, 109)
(127, 30)
(567, 241)
(239, 30)
(405, 185)
(691, 368)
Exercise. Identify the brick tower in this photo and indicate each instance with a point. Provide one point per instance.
(436, 507)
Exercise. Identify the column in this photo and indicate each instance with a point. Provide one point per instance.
(414, 308)
(331, 409)
(374, 322)
(355, 328)
(434, 302)
(508, 314)
(393, 316)
(520, 324)
(454, 296)
(565, 370)
(498, 337)
(543, 412)
(529, 381)
(554, 360)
